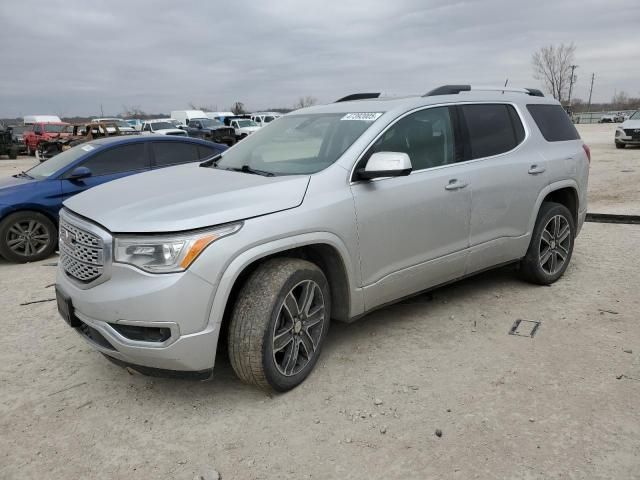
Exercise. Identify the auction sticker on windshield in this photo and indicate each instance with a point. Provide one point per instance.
(88, 148)
(363, 117)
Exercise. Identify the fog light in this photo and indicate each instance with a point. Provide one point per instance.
(142, 334)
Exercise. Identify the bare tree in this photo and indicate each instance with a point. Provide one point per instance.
(132, 111)
(552, 66)
(621, 100)
(238, 108)
(204, 108)
(303, 102)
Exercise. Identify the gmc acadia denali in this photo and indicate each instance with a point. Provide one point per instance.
(326, 214)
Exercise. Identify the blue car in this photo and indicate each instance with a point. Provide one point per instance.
(30, 201)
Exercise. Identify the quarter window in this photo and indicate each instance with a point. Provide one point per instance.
(426, 136)
(553, 122)
(126, 158)
(492, 129)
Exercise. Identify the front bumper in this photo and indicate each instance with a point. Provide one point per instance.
(178, 302)
(624, 138)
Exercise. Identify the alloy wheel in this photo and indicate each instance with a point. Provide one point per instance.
(298, 328)
(555, 244)
(28, 238)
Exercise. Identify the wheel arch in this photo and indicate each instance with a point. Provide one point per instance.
(564, 192)
(324, 249)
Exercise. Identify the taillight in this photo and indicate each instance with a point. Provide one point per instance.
(587, 150)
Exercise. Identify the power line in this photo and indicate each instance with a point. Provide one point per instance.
(571, 80)
(593, 76)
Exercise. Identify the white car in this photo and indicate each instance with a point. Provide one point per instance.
(629, 132)
(162, 126)
(244, 127)
(262, 118)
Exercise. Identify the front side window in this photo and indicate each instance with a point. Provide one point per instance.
(426, 136)
(54, 128)
(124, 158)
(296, 144)
(174, 153)
(635, 116)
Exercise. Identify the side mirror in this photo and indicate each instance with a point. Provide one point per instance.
(386, 164)
(79, 173)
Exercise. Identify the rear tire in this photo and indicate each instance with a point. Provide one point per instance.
(13, 153)
(27, 237)
(551, 245)
(279, 324)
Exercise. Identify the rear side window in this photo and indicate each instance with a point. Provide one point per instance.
(553, 122)
(492, 129)
(174, 153)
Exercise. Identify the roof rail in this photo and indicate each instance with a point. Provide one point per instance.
(358, 96)
(455, 89)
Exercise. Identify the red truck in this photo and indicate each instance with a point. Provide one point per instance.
(44, 132)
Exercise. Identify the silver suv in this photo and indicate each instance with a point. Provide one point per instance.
(326, 213)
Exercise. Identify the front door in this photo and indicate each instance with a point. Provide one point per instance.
(413, 231)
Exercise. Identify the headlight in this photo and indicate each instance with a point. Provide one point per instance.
(167, 254)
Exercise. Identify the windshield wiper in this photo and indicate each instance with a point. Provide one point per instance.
(248, 169)
(22, 174)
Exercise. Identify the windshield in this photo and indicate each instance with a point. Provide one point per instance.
(18, 129)
(246, 123)
(174, 122)
(298, 144)
(635, 116)
(54, 128)
(61, 160)
(161, 125)
(268, 118)
(209, 123)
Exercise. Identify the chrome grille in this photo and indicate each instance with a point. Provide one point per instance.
(81, 253)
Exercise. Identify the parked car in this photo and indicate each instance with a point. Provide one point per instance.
(43, 132)
(607, 118)
(75, 135)
(33, 119)
(30, 201)
(183, 116)
(329, 213)
(262, 118)
(243, 127)
(135, 123)
(629, 132)
(7, 145)
(162, 126)
(123, 126)
(212, 130)
(17, 135)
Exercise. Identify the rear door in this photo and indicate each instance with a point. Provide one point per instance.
(107, 165)
(507, 174)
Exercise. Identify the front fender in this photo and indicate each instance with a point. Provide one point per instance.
(247, 257)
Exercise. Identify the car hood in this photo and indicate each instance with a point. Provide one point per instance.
(170, 131)
(186, 197)
(631, 124)
(249, 129)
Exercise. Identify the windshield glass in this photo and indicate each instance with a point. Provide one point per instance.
(635, 116)
(268, 118)
(19, 129)
(61, 160)
(246, 123)
(210, 123)
(53, 128)
(161, 125)
(297, 144)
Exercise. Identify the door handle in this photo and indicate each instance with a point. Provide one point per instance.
(454, 184)
(535, 170)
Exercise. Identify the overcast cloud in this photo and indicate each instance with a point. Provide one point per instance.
(70, 57)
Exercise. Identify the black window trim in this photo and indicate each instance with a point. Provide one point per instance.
(152, 153)
(353, 179)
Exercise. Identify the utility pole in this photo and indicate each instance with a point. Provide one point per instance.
(571, 80)
(593, 76)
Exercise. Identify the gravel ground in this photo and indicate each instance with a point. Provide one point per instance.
(562, 404)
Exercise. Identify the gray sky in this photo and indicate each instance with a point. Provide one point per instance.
(69, 57)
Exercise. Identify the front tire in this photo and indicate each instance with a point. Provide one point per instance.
(551, 245)
(620, 145)
(27, 237)
(279, 324)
